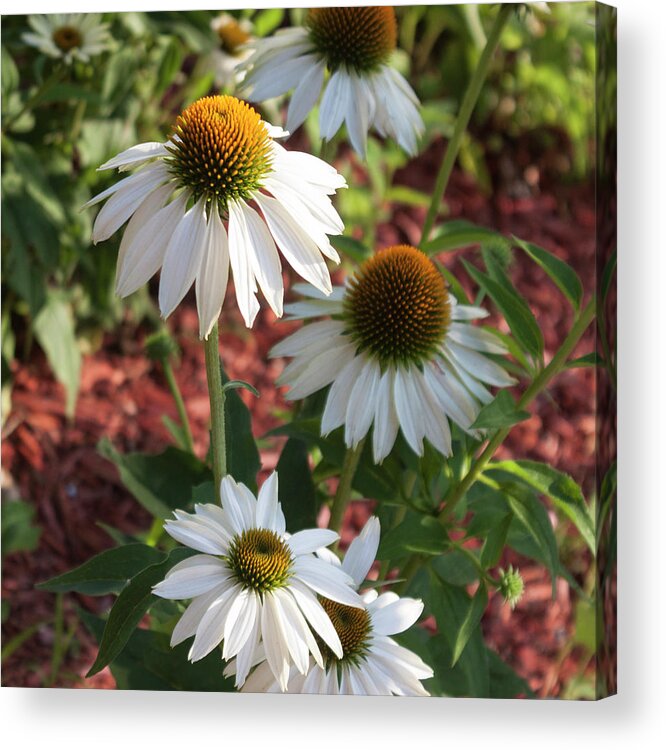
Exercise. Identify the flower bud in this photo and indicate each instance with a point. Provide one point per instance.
(511, 585)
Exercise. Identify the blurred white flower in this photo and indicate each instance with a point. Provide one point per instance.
(254, 583)
(69, 36)
(220, 159)
(354, 45)
(372, 663)
(226, 60)
(398, 351)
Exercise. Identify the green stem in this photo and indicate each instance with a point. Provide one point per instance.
(540, 382)
(217, 398)
(180, 406)
(462, 121)
(343, 493)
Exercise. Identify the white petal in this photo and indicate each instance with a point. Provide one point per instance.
(467, 312)
(182, 259)
(326, 580)
(338, 396)
(476, 338)
(362, 551)
(309, 540)
(247, 655)
(409, 410)
(241, 619)
(267, 503)
(293, 627)
(195, 576)
(479, 366)
(211, 628)
(239, 252)
(361, 404)
(187, 626)
(358, 115)
(334, 104)
(211, 283)
(316, 615)
(197, 535)
(277, 652)
(240, 509)
(457, 403)
(305, 95)
(435, 423)
(298, 342)
(135, 155)
(396, 616)
(386, 418)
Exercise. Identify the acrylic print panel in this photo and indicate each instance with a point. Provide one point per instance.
(317, 392)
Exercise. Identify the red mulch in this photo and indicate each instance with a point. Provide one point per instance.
(54, 463)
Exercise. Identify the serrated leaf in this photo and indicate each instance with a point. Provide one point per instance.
(107, 572)
(560, 272)
(471, 622)
(500, 412)
(54, 329)
(559, 487)
(513, 307)
(296, 491)
(131, 605)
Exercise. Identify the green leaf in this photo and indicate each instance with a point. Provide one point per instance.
(514, 308)
(354, 249)
(148, 662)
(10, 74)
(455, 234)
(504, 682)
(494, 544)
(500, 412)
(107, 572)
(235, 385)
(477, 607)
(172, 59)
(587, 360)
(454, 285)
(267, 20)
(416, 534)
(607, 276)
(534, 517)
(296, 490)
(408, 196)
(565, 494)
(162, 482)
(455, 568)
(54, 330)
(560, 272)
(19, 534)
(130, 606)
(243, 461)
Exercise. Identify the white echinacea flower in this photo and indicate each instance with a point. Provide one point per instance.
(372, 662)
(254, 583)
(398, 351)
(68, 36)
(354, 45)
(233, 35)
(220, 163)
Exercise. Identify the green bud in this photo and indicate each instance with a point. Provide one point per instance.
(498, 250)
(511, 585)
(160, 346)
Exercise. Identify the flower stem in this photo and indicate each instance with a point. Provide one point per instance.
(555, 365)
(343, 493)
(180, 406)
(217, 398)
(466, 109)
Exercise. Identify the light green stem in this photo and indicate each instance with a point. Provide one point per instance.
(180, 405)
(540, 382)
(343, 493)
(462, 121)
(217, 397)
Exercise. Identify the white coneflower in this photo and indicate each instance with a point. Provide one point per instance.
(398, 351)
(220, 164)
(233, 35)
(354, 45)
(69, 36)
(254, 583)
(372, 663)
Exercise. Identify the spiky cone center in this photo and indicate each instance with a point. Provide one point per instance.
(352, 624)
(360, 39)
(67, 37)
(220, 150)
(232, 36)
(397, 307)
(260, 560)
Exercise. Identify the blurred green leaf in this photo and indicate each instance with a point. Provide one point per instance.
(267, 21)
(500, 412)
(354, 249)
(471, 622)
(607, 276)
(19, 533)
(161, 483)
(172, 59)
(587, 360)
(456, 234)
(296, 490)
(130, 606)
(408, 196)
(107, 572)
(560, 272)
(54, 330)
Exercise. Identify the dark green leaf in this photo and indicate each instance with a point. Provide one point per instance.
(514, 308)
(296, 490)
(234, 385)
(500, 412)
(607, 276)
(107, 572)
(455, 568)
(455, 234)
(54, 329)
(149, 663)
(161, 483)
(170, 63)
(504, 682)
(417, 533)
(243, 461)
(494, 544)
(560, 272)
(350, 247)
(19, 534)
(587, 360)
(477, 607)
(130, 606)
(559, 487)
